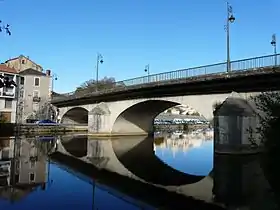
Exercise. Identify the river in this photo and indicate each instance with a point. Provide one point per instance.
(79, 172)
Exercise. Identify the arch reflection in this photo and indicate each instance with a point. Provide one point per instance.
(138, 156)
(191, 153)
(75, 145)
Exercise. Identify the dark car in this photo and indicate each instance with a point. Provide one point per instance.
(46, 122)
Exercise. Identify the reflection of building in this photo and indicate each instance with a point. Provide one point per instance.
(30, 165)
(23, 168)
(182, 142)
(6, 155)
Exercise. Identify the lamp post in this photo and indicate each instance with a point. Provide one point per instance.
(54, 78)
(99, 59)
(273, 43)
(230, 19)
(147, 70)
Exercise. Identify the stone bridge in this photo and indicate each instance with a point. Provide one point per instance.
(136, 116)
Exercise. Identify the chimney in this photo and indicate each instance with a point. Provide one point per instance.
(48, 72)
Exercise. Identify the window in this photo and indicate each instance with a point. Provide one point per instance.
(37, 81)
(22, 80)
(36, 93)
(31, 177)
(22, 61)
(32, 163)
(8, 103)
(21, 93)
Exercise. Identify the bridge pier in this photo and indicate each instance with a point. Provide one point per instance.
(236, 145)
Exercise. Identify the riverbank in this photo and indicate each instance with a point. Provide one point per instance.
(179, 127)
(10, 129)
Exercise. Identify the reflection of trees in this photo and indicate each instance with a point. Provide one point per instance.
(159, 140)
(269, 105)
(183, 142)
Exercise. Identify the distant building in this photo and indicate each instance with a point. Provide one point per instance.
(36, 94)
(181, 110)
(8, 95)
(22, 62)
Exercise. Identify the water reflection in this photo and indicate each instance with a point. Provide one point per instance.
(121, 173)
(137, 155)
(23, 168)
(191, 153)
(29, 180)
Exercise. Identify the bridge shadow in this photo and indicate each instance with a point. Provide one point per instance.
(137, 155)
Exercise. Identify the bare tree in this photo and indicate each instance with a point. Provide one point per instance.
(5, 28)
(90, 85)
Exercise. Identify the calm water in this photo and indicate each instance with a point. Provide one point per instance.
(39, 172)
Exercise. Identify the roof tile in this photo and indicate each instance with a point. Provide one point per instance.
(6, 69)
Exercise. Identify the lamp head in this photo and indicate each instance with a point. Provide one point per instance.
(231, 19)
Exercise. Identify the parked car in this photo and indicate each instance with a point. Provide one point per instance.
(46, 122)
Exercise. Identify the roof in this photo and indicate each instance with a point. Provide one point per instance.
(31, 71)
(6, 69)
(11, 59)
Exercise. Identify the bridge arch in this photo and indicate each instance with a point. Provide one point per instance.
(76, 115)
(139, 118)
(136, 116)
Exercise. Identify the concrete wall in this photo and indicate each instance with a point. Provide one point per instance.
(134, 117)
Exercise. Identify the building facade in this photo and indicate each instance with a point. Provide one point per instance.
(35, 94)
(22, 62)
(8, 96)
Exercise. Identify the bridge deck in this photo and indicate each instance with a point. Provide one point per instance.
(239, 81)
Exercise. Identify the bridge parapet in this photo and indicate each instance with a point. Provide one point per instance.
(252, 64)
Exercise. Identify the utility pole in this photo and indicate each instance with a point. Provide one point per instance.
(99, 59)
(147, 70)
(273, 43)
(230, 19)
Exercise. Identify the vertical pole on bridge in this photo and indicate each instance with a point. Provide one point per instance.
(230, 19)
(273, 43)
(99, 59)
(147, 69)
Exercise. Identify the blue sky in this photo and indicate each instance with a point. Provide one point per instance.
(65, 36)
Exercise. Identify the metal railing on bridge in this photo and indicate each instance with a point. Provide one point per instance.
(238, 65)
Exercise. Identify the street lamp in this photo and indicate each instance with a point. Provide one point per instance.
(54, 78)
(230, 19)
(273, 43)
(147, 70)
(99, 59)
